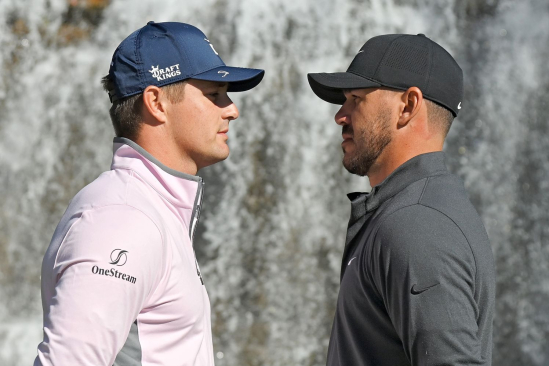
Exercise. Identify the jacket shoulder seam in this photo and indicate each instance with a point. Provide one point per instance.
(440, 212)
(460, 230)
(134, 173)
(105, 207)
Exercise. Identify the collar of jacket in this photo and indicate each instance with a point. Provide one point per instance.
(182, 191)
(417, 168)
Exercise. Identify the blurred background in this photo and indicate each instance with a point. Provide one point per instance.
(273, 225)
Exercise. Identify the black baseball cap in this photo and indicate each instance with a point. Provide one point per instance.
(164, 53)
(397, 61)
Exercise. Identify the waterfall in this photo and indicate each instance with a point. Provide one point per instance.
(274, 217)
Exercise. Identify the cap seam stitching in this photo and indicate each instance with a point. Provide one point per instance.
(385, 53)
(138, 59)
(187, 60)
(431, 61)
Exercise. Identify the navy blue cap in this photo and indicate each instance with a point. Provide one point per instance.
(397, 61)
(164, 53)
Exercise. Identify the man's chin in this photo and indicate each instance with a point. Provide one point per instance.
(221, 152)
(353, 166)
(219, 158)
(214, 159)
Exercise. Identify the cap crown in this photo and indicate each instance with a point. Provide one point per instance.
(402, 61)
(160, 54)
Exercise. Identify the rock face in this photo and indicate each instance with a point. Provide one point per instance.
(275, 212)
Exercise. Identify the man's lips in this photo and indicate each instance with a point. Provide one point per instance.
(347, 137)
(347, 133)
(223, 134)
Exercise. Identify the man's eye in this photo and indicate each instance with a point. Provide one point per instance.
(213, 95)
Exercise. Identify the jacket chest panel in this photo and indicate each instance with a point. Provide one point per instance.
(357, 287)
(182, 302)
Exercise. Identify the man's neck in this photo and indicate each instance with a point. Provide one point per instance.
(388, 163)
(167, 153)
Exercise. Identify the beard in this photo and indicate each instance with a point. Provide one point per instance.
(369, 144)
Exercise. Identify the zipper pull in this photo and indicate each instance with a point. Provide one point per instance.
(195, 224)
(198, 271)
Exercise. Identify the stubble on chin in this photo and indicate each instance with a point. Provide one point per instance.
(356, 164)
(368, 146)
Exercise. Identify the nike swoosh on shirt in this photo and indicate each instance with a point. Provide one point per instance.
(350, 261)
(416, 291)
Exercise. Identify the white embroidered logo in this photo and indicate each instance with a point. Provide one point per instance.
(165, 73)
(211, 45)
(225, 73)
(459, 105)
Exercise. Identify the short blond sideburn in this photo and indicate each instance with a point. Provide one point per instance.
(126, 113)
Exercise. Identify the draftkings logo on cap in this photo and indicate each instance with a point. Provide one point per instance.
(163, 74)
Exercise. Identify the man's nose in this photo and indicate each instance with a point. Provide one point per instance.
(230, 112)
(342, 116)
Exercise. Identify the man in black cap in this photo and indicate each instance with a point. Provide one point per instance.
(417, 277)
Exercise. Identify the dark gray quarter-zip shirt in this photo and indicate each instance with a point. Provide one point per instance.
(418, 275)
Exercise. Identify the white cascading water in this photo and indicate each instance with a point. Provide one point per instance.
(273, 225)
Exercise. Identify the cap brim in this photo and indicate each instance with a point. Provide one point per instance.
(329, 87)
(239, 78)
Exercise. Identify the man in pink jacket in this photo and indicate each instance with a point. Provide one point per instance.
(120, 281)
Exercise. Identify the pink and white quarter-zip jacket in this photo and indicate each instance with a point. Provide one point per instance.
(120, 283)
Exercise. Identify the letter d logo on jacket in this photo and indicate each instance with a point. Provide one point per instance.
(119, 257)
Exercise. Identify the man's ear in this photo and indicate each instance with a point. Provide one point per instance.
(413, 100)
(154, 103)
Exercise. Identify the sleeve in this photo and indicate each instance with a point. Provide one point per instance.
(107, 266)
(424, 269)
